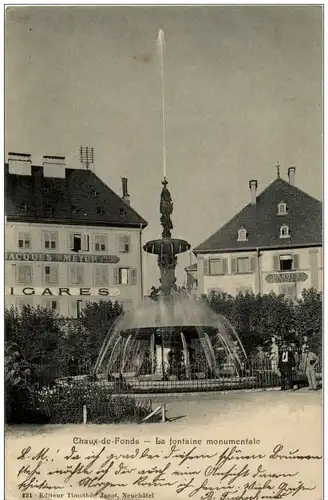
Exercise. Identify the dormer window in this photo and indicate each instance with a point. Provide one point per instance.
(122, 212)
(282, 208)
(49, 210)
(93, 193)
(46, 189)
(23, 207)
(100, 211)
(284, 232)
(242, 234)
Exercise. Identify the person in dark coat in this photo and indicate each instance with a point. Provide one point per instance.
(286, 367)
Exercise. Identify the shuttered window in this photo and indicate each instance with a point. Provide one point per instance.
(100, 241)
(206, 267)
(50, 303)
(50, 274)
(242, 265)
(218, 266)
(50, 240)
(24, 274)
(125, 276)
(76, 274)
(24, 240)
(101, 275)
(75, 307)
(123, 243)
(78, 242)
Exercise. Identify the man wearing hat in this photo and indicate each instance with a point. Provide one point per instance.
(286, 366)
(308, 362)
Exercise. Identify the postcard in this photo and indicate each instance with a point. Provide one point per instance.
(164, 252)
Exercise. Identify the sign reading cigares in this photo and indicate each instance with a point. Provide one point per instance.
(63, 291)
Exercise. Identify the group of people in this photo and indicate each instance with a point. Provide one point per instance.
(291, 362)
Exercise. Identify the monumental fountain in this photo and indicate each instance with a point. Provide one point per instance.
(175, 339)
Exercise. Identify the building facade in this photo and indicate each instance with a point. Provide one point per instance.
(69, 238)
(274, 245)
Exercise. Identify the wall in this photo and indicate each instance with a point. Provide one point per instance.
(307, 274)
(130, 294)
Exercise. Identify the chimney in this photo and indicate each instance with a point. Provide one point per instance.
(253, 188)
(54, 166)
(125, 194)
(19, 163)
(291, 175)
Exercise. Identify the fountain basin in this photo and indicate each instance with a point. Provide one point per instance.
(167, 246)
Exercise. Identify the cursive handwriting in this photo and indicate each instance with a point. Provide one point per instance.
(214, 473)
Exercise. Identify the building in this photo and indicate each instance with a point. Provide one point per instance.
(272, 244)
(69, 238)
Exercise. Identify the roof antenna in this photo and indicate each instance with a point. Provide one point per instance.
(278, 169)
(87, 157)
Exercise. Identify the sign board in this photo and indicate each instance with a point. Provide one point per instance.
(286, 277)
(61, 257)
(62, 291)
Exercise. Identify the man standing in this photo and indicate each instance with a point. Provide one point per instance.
(286, 367)
(309, 361)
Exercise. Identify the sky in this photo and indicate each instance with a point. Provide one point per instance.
(243, 90)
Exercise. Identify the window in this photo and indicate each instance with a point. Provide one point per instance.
(50, 303)
(100, 211)
(50, 240)
(24, 274)
(100, 242)
(284, 232)
(243, 265)
(124, 244)
(46, 189)
(23, 207)
(76, 308)
(93, 193)
(50, 276)
(76, 274)
(282, 208)
(101, 275)
(286, 262)
(122, 212)
(21, 303)
(242, 234)
(24, 240)
(289, 291)
(244, 290)
(125, 276)
(49, 210)
(79, 242)
(218, 266)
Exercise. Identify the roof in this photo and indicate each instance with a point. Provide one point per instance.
(81, 198)
(304, 218)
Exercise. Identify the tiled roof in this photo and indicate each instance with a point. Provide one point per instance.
(80, 198)
(304, 218)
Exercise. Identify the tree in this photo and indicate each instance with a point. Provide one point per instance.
(308, 318)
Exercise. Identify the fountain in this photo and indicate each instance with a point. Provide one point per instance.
(176, 338)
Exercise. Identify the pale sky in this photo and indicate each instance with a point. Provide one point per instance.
(243, 88)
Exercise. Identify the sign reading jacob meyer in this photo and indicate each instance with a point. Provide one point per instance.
(61, 257)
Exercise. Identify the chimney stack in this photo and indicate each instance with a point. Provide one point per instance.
(20, 163)
(253, 188)
(54, 166)
(125, 194)
(291, 175)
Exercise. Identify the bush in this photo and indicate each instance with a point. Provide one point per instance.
(64, 404)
